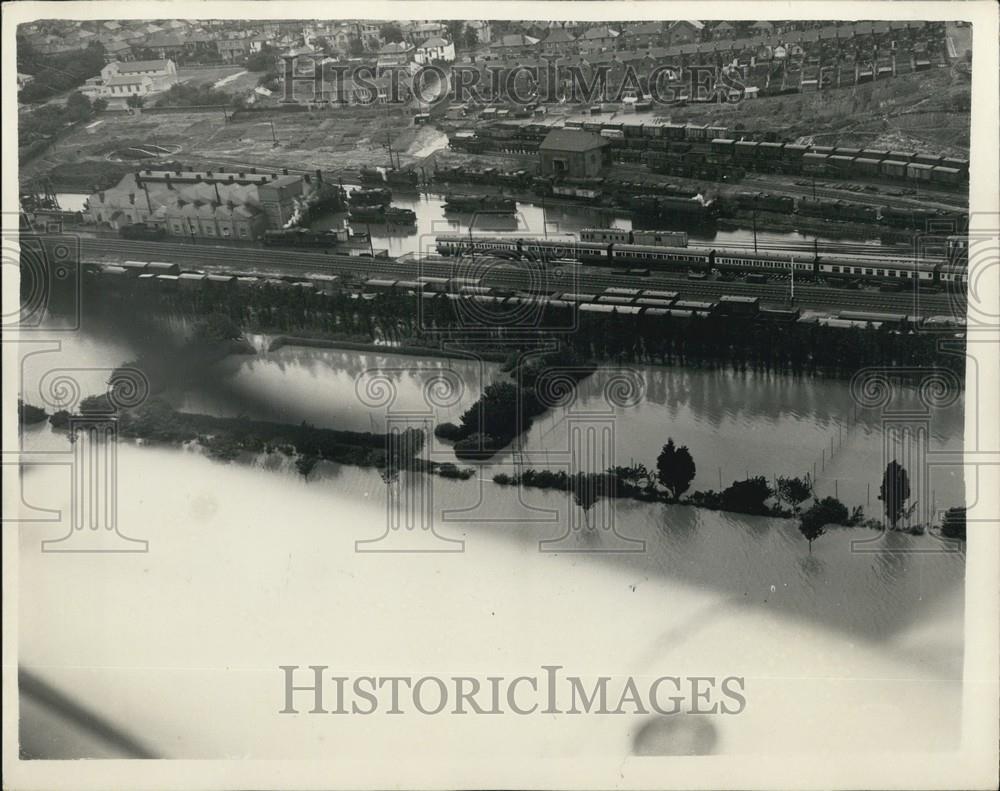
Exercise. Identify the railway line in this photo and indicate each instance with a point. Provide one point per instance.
(500, 273)
(923, 200)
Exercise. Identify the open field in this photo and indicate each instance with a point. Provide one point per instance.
(340, 140)
(237, 79)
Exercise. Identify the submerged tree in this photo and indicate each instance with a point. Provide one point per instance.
(586, 493)
(747, 497)
(675, 468)
(794, 491)
(306, 463)
(894, 492)
(828, 511)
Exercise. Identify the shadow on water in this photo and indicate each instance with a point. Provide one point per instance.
(755, 562)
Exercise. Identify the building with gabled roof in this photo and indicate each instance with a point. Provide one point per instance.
(435, 49)
(572, 153)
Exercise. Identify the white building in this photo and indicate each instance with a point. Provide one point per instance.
(435, 48)
(161, 73)
(125, 85)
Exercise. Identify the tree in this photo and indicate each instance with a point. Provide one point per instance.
(794, 491)
(305, 464)
(828, 511)
(29, 414)
(134, 101)
(471, 38)
(586, 493)
(391, 33)
(675, 468)
(634, 477)
(262, 60)
(747, 497)
(356, 47)
(456, 28)
(953, 524)
(894, 492)
(501, 411)
(78, 106)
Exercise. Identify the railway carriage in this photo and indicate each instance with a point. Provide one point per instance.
(701, 261)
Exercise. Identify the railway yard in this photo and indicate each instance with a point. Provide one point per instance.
(867, 196)
(501, 279)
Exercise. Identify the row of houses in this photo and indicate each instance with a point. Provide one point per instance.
(233, 41)
(686, 37)
(205, 204)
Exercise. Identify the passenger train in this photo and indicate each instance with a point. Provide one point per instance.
(704, 260)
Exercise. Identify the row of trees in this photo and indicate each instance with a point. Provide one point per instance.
(47, 121)
(675, 470)
(55, 74)
(184, 94)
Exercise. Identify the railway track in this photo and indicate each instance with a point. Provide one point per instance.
(919, 201)
(500, 273)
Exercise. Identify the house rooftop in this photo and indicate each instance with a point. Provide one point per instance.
(395, 49)
(142, 65)
(602, 31)
(122, 79)
(515, 40)
(575, 140)
(559, 36)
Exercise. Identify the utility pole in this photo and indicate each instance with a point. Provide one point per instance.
(274, 136)
(793, 279)
(756, 198)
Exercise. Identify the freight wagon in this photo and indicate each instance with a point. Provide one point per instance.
(713, 152)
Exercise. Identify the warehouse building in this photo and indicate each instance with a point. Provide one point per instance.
(573, 153)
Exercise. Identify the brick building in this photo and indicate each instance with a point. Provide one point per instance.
(573, 153)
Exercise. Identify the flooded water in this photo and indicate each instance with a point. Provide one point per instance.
(532, 218)
(72, 201)
(249, 567)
